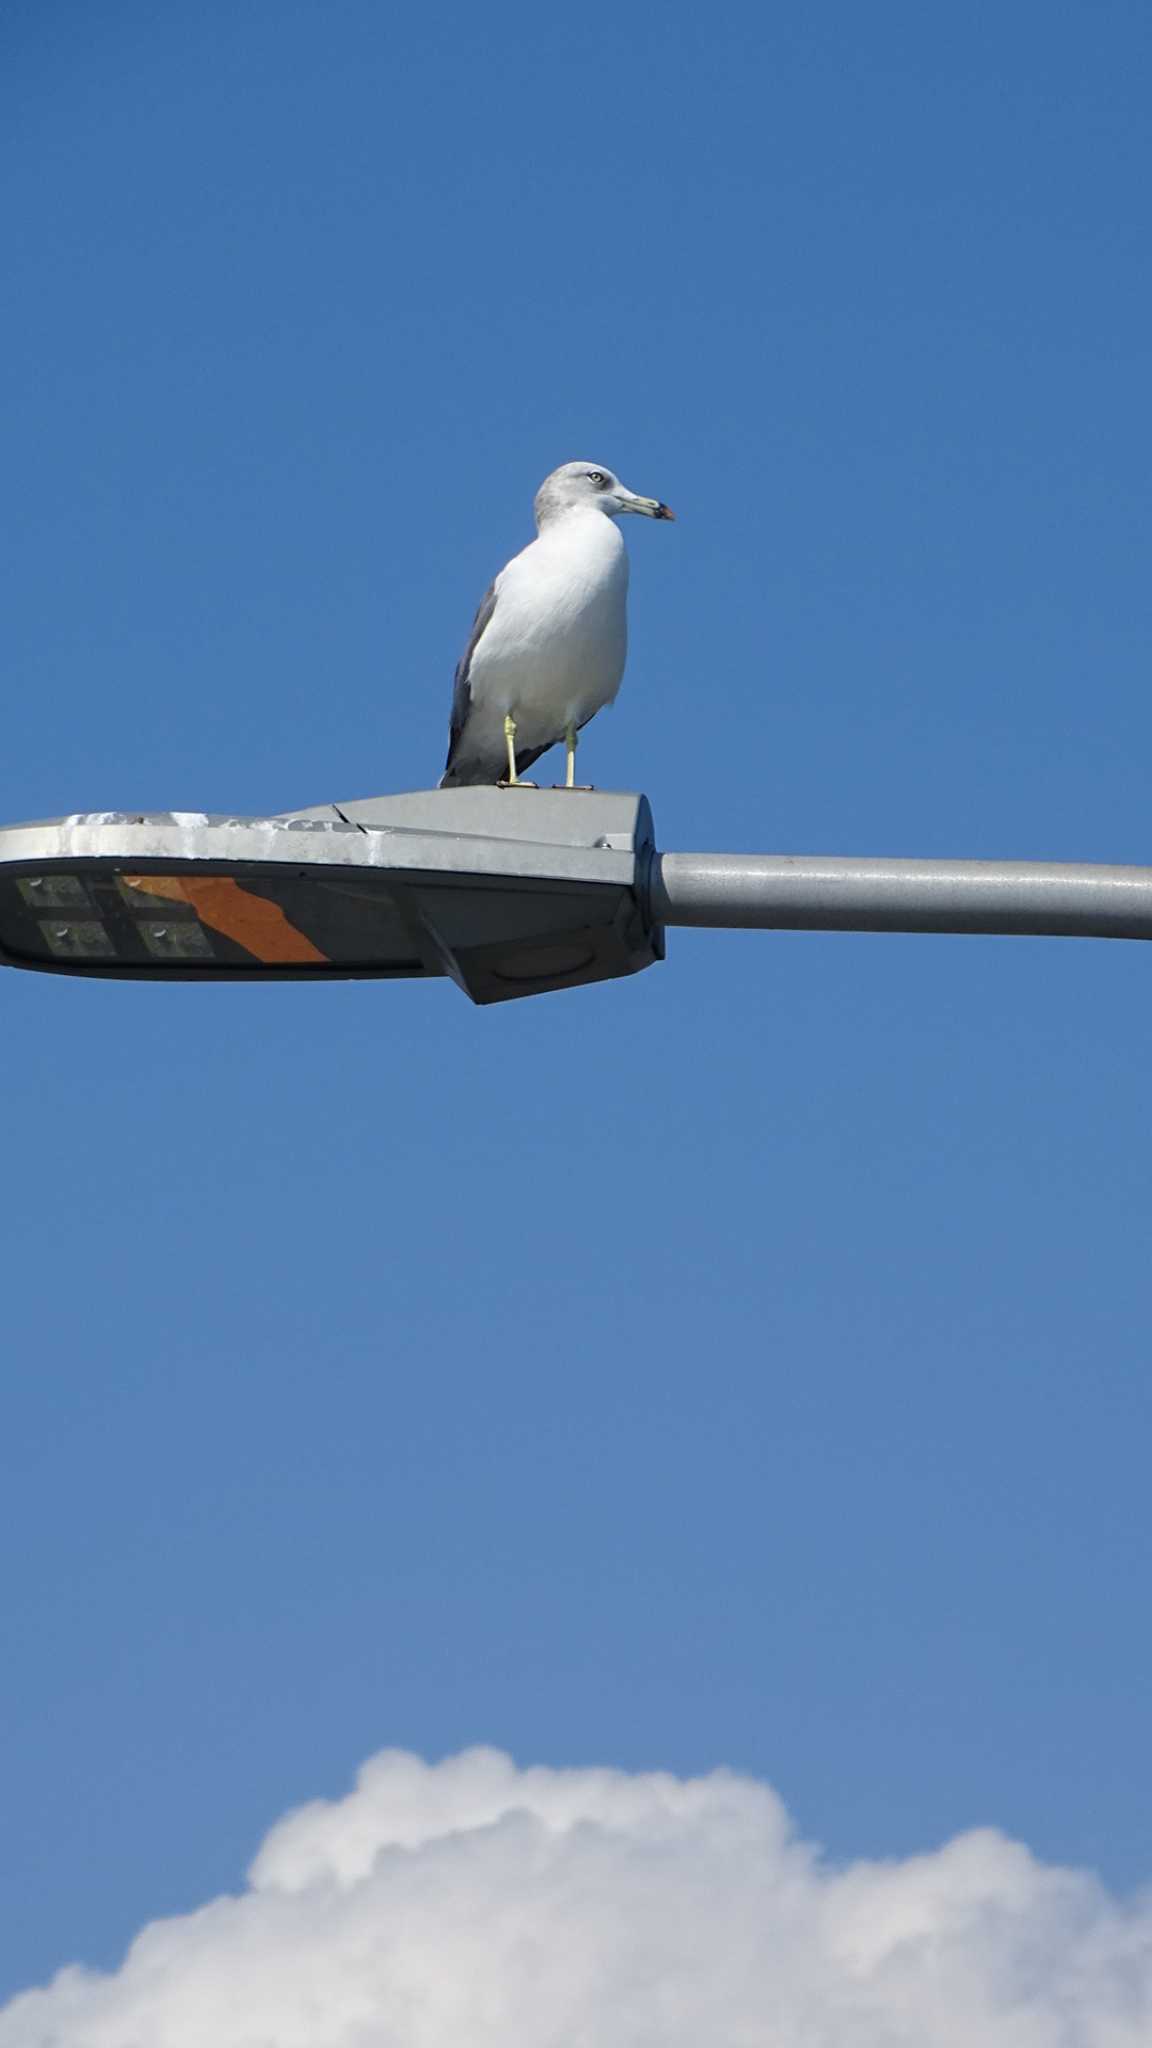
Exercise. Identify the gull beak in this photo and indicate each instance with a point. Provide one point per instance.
(652, 508)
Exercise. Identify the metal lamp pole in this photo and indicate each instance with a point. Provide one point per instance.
(507, 892)
(797, 892)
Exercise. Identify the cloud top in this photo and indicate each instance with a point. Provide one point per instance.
(471, 1904)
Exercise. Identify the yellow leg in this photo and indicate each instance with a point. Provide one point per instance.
(570, 743)
(510, 736)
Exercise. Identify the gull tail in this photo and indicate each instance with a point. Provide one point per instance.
(467, 774)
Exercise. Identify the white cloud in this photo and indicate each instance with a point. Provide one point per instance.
(469, 1904)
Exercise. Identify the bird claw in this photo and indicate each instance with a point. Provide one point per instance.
(520, 783)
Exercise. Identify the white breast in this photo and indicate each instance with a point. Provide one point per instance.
(553, 652)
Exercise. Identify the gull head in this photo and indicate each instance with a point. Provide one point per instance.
(587, 486)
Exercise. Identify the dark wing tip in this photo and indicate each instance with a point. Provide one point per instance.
(462, 688)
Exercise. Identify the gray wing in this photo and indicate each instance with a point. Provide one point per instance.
(462, 692)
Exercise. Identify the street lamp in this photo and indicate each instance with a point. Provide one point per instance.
(509, 892)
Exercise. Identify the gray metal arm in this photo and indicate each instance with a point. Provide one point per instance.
(510, 892)
(798, 892)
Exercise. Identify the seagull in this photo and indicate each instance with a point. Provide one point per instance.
(547, 646)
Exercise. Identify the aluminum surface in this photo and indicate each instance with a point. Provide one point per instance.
(798, 892)
(507, 892)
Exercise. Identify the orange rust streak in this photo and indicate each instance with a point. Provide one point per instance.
(219, 901)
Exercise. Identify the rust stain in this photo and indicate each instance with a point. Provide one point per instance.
(219, 901)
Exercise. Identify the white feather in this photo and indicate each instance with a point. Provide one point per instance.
(553, 651)
(549, 642)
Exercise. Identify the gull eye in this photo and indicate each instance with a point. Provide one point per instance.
(597, 476)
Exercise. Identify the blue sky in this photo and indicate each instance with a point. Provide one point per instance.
(743, 1365)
